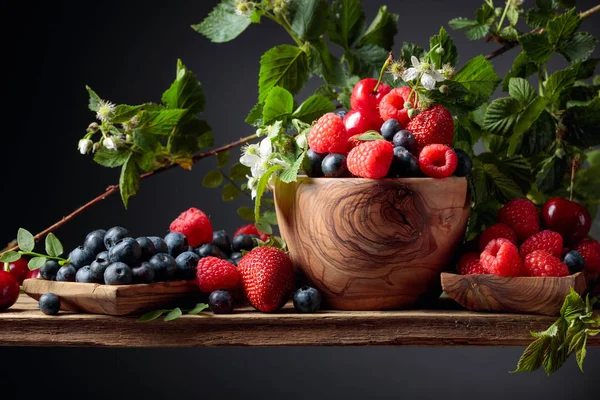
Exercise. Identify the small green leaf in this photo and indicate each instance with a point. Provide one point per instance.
(563, 27)
(230, 192)
(223, 158)
(124, 113)
(185, 92)
(290, 174)
(501, 115)
(525, 120)
(347, 22)
(263, 226)
(278, 105)
(198, 309)
(520, 89)
(409, 50)
(270, 217)
(580, 354)
(246, 213)
(262, 186)
(95, 100)
(112, 158)
(522, 67)
(173, 314)
(54, 247)
(285, 66)
(212, 179)
(382, 30)
(513, 15)
(558, 82)
(151, 315)
(129, 181)
(308, 18)
(370, 135)
(238, 172)
(9, 256)
(255, 115)
(537, 47)
(160, 123)
(205, 140)
(533, 355)
(579, 47)
(479, 78)
(366, 60)
(223, 23)
(25, 240)
(573, 306)
(313, 108)
(326, 65)
(445, 42)
(36, 263)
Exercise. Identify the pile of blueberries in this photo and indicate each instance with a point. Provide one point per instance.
(113, 257)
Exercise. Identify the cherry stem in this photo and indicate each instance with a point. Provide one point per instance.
(574, 167)
(386, 64)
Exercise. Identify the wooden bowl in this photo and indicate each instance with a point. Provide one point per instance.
(373, 244)
(523, 295)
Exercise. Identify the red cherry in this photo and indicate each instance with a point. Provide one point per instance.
(362, 96)
(35, 274)
(570, 219)
(19, 269)
(9, 290)
(359, 121)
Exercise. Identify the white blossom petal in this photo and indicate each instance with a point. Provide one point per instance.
(427, 81)
(436, 75)
(109, 143)
(410, 74)
(84, 146)
(249, 160)
(266, 148)
(415, 62)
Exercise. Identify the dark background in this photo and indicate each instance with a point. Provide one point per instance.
(127, 52)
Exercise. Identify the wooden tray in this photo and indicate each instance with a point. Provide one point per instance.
(524, 295)
(114, 299)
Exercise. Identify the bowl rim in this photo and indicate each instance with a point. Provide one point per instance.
(403, 179)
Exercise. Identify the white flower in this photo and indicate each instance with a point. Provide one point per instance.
(252, 185)
(447, 71)
(429, 76)
(397, 69)
(106, 111)
(110, 143)
(257, 157)
(85, 145)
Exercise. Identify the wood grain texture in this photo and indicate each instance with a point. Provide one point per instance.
(373, 244)
(113, 300)
(24, 325)
(526, 295)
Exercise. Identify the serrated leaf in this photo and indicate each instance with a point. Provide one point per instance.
(313, 108)
(573, 306)
(54, 247)
(238, 172)
(25, 240)
(347, 22)
(582, 123)
(255, 115)
(580, 354)
(36, 263)
(503, 187)
(382, 30)
(290, 174)
(95, 100)
(558, 82)
(111, 158)
(212, 179)
(501, 115)
(524, 122)
(578, 48)
(444, 41)
(326, 65)
(563, 26)
(223, 158)
(521, 90)
(537, 47)
(461, 23)
(173, 314)
(479, 78)
(550, 174)
(198, 309)
(246, 213)
(230, 192)
(262, 186)
(522, 67)
(160, 123)
(9, 256)
(308, 18)
(409, 50)
(124, 113)
(151, 315)
(223, 24)
(285, 66)
(533, 355)
(206, 139)
(129, 181)
(278, 105)
(366, 61)
(185, 92)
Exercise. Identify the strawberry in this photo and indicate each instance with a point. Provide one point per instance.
(267, 278)
(542, 263)
(548, 241)
(469, 264)
(496, 231)
(432, 126)
(590, 250)
(501, 257)
(522, 216)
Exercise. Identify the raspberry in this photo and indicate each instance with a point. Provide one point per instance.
(501, 258)
(590, 250)
(195, 225)
(496, 231)
(521, 215)
(434, 125)
(251, 229)
(469, 264)
(437, 161)
(371, 159)
(328, 135)
(548, 241)
(215, 274)
(542, 263)
(392, 105)
(353, 142)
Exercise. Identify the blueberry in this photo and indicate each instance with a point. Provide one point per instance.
(312, 163)
(143, 273)
(118, 273)
(307, 300)
(465, 164)
(176, 242)
(334, 165)
(574, 261)
(99, 265)
(49, 270)
(222, 241)
(389, 129)
(404, 163)
(94, 241)
(127, 251)
(49, 303)
(113, 235)
(210, 250)
(220, 302)
(341, 113)
(164, 266)
(147, 246)
(186, 265)
(236, 257)
(80, 257)
(405, 139)
(159, 244)
(242, 242)
(85, 275)
(66, 273)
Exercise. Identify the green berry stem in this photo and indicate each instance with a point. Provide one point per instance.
(6, 267)
(499, 26)
(386, 64)
(574, 165)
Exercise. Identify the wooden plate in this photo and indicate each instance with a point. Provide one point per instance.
(523, 295)
(114, 300)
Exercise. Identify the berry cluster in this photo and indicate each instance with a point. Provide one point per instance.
(527, 242)
(405, 144)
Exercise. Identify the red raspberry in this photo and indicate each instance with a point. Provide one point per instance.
(590, 250)
(328, 135)
(542, 263)
(214, 273)
(392, 105)
(522, 216)
(371, 159)
(501, 257)
(434, 125)
(251, 229)
(469, 264)
(438, 161)
(496, 231)
(548, 241)
(353, 142)
(195, 225)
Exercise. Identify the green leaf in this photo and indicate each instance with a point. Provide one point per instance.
(326, 65)
(313, 108)
(189, 137)
(54, 247)
(223, 24)
(261, 187)
(537, 47)
(580, 354)
(173, 314)
(513, 15)
(124, 113)
(263, 226)
(145, 141)
(238, 172)
(524, 122)
(461, 23)
(550, 174)
(160, 122)
(36, 263)
(579, 47)
(270, 217)
(278, 105)
(522, 90)
(223, 158)
(9, 256)
(382, 30)
(347, 22)
(409, 50)
(255, 115)
(366, 60)
(478, 77)
(246, 213)
(129, 181)
(185, 92)
(212, 179)
(445, 42)
(151, 315)
(285, 66)
(95, 100)
(501, 115)
(582, 123)
(309, 18)
(502, 186)
(563, 27)
(198, 309)
(370, 135)
(112, 158)
(533, 355)
(509, 33)
(25, 240)
(573, 306)
(230, 192)
(290, 174)
(558, 82)
(522, 68)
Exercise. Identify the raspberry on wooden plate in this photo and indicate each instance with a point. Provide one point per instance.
(501, 257)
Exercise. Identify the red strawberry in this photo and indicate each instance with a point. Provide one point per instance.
(251, 229)
(371, 159)
(542, 263)
(392, 105)
(522, 216)
(469, 264)
(195, 225)
(267, 278)
(438, 161)
(328, 135)
(432, 126)
(548, 241)
(590, 250)
(214, 273)
(496, 231)
(501, 257)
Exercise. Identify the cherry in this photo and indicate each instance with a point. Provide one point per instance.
(570, 219)
(19, 269)
(9, 290)
(360, 121)
(35, 274)
(363, 97)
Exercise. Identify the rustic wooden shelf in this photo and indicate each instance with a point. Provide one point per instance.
(25, 325)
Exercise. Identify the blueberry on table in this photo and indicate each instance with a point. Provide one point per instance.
(49, 303)
(220, 302)
(389, 129)
(143, 273)
(164, 267)
(49, 270)
(210, 250)
(127, 251)
(113, 235)
(84, 275)
(160, 246)
(80, 257)
(243, 242)
(118, 273)
(94, 241)
(176, 242)
(405, 139)
(312, 163)
(186, 265)
(222, 241)
(66, 273)
(147, 246)
(464, 165)
(574, 261)
(99, 265)
(334, 165)
(307, 299)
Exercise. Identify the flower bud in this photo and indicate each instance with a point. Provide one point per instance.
(109, 143)
(408, 105)
(96, 147)
(93, 127)
(440, 50)
(84, 146)
(444, 89)
(412, 113)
